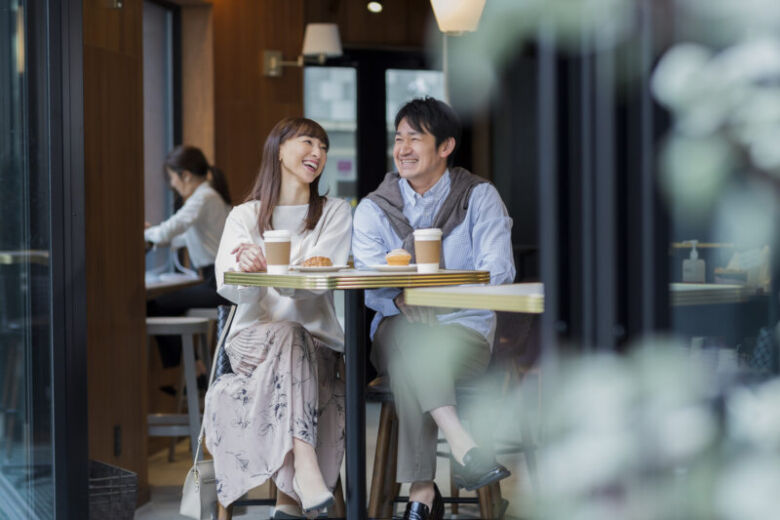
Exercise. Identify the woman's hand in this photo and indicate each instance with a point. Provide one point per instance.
(250, 258)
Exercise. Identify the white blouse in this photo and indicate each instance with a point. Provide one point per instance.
(198, 225)
(313, 309)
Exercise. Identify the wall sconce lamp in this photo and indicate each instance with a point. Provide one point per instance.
(455, 17)
(320, 40)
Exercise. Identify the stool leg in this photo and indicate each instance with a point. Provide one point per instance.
(485, 503)
(454, 491)
(380, 460)
(491, 502)
(205, 353)
(392, 488)
(224, 513)
(339, 508)
(179, 409)
(193, 410)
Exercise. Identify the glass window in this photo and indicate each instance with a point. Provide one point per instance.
(158, 122)
(405, 85)
(26, 488)
(330, 99)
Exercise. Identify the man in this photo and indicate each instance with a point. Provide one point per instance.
(425, 353)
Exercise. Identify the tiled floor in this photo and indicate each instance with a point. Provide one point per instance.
(166, 479)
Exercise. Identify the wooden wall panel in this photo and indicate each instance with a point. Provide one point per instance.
(247, 104)
(402, 23)
(113, 163)
(197, 70)
(117, 30)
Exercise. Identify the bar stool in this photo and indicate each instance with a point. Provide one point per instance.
(384, 491)
(513, 361)
(178, 424)
(206, 345)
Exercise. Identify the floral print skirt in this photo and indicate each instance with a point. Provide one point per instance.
(286, 384)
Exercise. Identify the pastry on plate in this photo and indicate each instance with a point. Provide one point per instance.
(398, 257)
(317, 261)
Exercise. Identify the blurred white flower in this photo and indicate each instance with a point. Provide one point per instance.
(678, 78)
(745, 216)
(754, 416)
(726, 21)
(685, 432)
(694, 170)
(750, 489)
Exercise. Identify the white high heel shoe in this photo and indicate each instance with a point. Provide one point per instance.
(312, 503)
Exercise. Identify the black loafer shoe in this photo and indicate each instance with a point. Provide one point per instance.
(478, 469)
(419, 511)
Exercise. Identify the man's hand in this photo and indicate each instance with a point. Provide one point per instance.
(250, 258)
(416, 313)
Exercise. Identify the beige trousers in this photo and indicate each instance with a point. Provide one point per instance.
(424, 363)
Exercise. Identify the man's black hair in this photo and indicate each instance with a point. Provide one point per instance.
(429, 115)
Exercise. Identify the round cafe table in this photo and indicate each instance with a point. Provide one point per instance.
(353, 282)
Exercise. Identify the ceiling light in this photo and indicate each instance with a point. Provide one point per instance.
(375, 6)
(457, 16)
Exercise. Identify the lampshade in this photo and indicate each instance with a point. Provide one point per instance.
(457, 16)
(321, 39)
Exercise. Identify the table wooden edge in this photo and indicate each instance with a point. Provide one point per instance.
(528, 304)
(157, 290)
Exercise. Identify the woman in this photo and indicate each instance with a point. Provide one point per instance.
(281, 414)
(198, 226)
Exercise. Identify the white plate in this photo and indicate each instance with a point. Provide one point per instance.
(394, 268)
(318, 268)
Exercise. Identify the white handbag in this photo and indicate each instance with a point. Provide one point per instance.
(199, 493)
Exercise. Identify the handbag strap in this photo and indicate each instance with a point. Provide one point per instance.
(220, 344)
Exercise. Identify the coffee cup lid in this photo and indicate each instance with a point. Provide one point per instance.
(277, 234)
(427, 233)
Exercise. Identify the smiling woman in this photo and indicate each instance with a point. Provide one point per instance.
(284, 347)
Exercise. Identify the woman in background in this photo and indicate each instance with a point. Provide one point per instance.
(280, 415)
(197, 225)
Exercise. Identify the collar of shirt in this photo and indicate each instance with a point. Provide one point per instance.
(436, 193)
(203, 186)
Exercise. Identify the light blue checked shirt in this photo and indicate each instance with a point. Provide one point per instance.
(482, 241)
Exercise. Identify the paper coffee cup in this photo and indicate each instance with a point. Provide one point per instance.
(277, 250)
(427, 249)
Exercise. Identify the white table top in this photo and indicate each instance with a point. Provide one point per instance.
(529, 297)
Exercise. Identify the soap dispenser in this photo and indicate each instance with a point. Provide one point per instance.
(693, 267)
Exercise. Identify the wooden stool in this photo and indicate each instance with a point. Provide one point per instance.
(384, 489)
(178, 424)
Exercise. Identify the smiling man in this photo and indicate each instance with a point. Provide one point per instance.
(426, 353)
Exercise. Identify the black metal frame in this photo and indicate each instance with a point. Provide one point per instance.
(602, 230)
(67, 259)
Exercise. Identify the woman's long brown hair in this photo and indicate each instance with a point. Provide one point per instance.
(269, 179)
